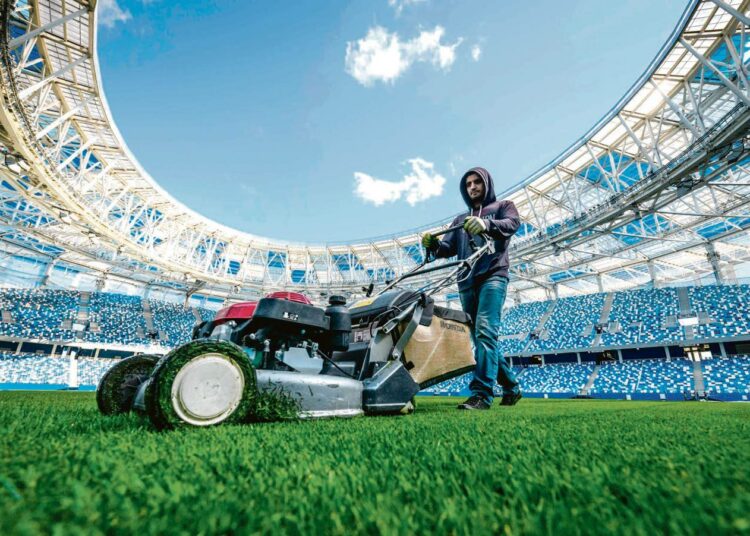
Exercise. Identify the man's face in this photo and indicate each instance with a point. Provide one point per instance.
(475, 188)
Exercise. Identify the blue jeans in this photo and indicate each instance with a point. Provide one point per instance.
(485, 305)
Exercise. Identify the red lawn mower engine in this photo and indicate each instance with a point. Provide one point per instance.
(279, 323)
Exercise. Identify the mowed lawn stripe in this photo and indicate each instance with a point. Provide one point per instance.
(542, 467)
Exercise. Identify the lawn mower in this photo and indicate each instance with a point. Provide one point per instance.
(370, 358)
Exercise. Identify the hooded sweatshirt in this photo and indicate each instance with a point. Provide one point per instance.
(502, 220)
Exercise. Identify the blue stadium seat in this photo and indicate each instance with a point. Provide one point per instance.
(569, 320)
(642, 315)
(174, 320)
(32, 369)
(728, 306)
(647, 376)
(725, 376)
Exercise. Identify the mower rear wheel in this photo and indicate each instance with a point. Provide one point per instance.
(202, 383)
(410, 406)
(117, 388)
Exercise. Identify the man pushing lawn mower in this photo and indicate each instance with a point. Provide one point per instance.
(483, 289)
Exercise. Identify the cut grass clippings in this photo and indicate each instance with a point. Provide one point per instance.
(542, 467)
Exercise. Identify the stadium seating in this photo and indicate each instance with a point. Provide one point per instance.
(120, 319)
(727, 376)
(512, 346)
(91, 370)
(38, 314)
(571, 317)
(454, 387)
(32, 369)
(728, 306)
(641, 315)
(206, 314)
(650, 376)
(559, 378)
(523, 318)
(172, 320)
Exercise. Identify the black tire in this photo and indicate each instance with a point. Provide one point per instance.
(165, 413)
(117, 388)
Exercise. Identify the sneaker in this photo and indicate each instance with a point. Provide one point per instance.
(511, 399)
(474, 402)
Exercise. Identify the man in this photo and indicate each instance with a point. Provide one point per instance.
(483, 290)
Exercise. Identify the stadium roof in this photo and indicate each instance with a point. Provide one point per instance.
(658, 189)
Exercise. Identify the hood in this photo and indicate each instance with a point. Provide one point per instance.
(489, 187)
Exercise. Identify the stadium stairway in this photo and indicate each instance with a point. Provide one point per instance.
(683, 296)
(590, 382)
(607, 308)
(603, 318)
(689, 332)
(147, 315)
(700, 384)
(539, 329)
(82, 316)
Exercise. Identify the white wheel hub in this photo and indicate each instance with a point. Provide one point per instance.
(207, 389)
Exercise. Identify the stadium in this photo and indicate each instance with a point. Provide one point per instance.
(627, 323)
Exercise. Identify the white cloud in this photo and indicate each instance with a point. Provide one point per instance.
(383, 56)
(476, 52)
(420, 184)
(110, 13)
(399, 5)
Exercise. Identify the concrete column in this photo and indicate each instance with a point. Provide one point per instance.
(556, 290)
(45, 278)
(578, 357)
(619, 355)
(723, 350)
(599, 282)
(667, 354)
(18, 348)
(714, 258)
(652, 273)
(54, 350)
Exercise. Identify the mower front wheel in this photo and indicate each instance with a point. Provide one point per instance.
(119, 385)
(202, 383)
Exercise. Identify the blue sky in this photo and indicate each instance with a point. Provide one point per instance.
(327, 121)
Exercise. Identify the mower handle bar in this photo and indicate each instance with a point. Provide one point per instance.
(448, 230)
(456, 265)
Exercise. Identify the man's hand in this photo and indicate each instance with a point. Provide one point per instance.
(475, 225)
(430, 242)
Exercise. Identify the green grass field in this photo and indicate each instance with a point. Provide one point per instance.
(542, 467)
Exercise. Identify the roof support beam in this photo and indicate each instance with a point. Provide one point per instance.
(61, 71)
(727, 82)
(676, 109)
(20, 40)
(75, 154)
(70, 113)
(736, 14)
